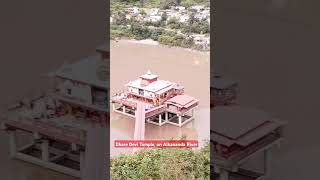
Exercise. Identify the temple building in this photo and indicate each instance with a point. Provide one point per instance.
(165, 101)
(60, 122)
(240, 134)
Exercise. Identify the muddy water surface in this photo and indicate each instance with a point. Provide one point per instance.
(188, 68)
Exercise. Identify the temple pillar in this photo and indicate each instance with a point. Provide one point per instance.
(45, 150)
(160, 119)
(224, 174)
(124, 109)
(13, 145)
(82, 165)
(180, 120)
(74, 147)
(267, 162)
(166, 116)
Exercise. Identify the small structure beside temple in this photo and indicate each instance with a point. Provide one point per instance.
(165, 101)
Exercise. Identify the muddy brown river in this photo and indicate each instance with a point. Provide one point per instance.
(189, 68)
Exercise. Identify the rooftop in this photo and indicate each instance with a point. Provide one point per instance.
(240, 125)
(91, 70)
(221, 83)
(235, 121)
(183, 100)
(152, 87)
(155, 86)
(149, 76)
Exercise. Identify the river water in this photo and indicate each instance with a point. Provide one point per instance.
(191, 69)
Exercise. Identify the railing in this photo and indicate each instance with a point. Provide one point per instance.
(125, 102)
(50, 130)
(174, 109)
(156, 111)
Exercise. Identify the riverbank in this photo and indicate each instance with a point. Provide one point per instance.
(156, 43)
(166, 36)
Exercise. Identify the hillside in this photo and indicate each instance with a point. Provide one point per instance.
(158, 3)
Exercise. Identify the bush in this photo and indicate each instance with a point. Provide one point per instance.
(166, 4)
(120, 18)
(165, 163)
(173, 23)
(187, 43)
(155, 34)
(140, 32)
(166, 40)
(119, 32)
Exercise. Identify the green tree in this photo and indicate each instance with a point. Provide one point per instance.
(120, 18)
(155, 34)
(140, 32)
(163, 163)
(142, 3)
(173, 23)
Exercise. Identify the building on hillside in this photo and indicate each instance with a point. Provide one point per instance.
(153, 18)
(133, 10)
(152, 11)
(178, 8)
(197, 8)
(184, 18)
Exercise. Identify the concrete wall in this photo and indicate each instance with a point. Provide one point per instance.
(146, 93)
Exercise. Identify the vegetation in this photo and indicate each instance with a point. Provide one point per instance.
(197, 27)
(163, 163)
(140, 32)
(168, 32)
(174, 39)
(120, 32)
(164, 4)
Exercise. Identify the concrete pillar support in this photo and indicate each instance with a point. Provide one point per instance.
(160, 119)
(74, 147)
(13, 145)
(45, 150)
(267, 163)
(180, 120)
(224, 174)
(82, 164)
